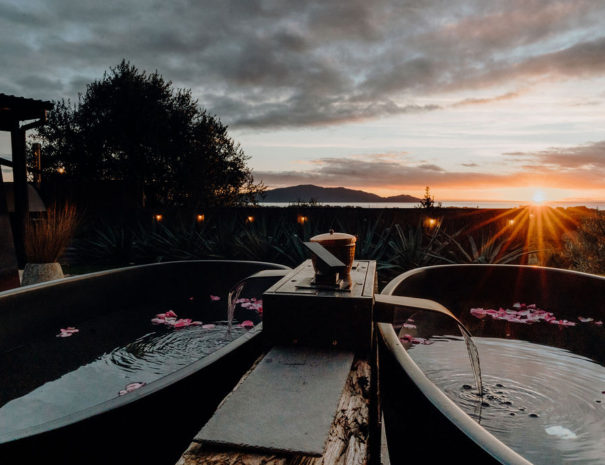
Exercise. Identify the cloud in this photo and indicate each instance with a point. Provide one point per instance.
(487, 100)
(557, 167)
(268, 64)
(587, 158)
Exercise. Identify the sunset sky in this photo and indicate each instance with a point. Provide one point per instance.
(477, 99)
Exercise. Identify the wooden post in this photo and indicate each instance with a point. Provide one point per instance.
(9, 271)
(20, 185)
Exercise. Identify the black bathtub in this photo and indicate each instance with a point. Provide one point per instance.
(421, 422)
(154, 424)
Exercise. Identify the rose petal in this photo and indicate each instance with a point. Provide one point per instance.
(214, 297)
(182, 323)
(478, 312)
(133, 386)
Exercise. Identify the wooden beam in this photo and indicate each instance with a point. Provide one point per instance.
(21, 196)
(348, 441)
(5, 162)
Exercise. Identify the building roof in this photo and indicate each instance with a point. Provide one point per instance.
(14, 109)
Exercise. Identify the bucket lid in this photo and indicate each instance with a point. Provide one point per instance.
(334, 238)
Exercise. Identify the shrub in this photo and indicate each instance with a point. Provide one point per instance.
(585, 250)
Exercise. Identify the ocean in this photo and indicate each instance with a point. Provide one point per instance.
(599, 205)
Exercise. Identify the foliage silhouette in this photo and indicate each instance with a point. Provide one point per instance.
(134, 127)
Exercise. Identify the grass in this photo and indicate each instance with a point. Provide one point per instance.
(47, 236)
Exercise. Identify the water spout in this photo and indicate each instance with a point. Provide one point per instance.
(393, 309)
(232, 298)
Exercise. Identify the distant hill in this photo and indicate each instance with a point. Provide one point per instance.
(308, 192)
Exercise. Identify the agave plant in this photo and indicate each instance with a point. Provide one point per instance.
(490, 250)
(262, 240)
(372, 242)
(416, 248)
(107, 244)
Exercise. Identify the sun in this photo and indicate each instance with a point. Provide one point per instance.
(538, 196)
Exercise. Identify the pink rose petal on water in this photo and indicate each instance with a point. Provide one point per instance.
(131, 387)
(585, 319)
(415, 340)
(170, 314)
(598, 323)
(196, 323)
(247, 324)
(421, 340)
(66, 332)
(158, 321)
(182, 323)
(214, 297)
(478, 312)
(208, 326)
(409, 326)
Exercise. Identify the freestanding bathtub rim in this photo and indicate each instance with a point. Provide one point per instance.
(395, 282)
(434, 395)
(148, 389)
(445, 405)
(85, 276)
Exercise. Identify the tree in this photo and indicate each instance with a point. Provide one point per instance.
(428, 201)
(134, 127)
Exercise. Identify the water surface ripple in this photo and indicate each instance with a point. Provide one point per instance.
(544, 402)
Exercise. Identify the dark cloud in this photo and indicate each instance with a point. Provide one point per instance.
(270, 63)
(375, 173)
(558, 167)
(588, 157)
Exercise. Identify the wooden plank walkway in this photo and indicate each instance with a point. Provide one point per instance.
(347, 442)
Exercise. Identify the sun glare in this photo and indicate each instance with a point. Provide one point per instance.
(538, 196)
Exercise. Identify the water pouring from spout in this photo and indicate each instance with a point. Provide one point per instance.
(232, 298)
(391, 309)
